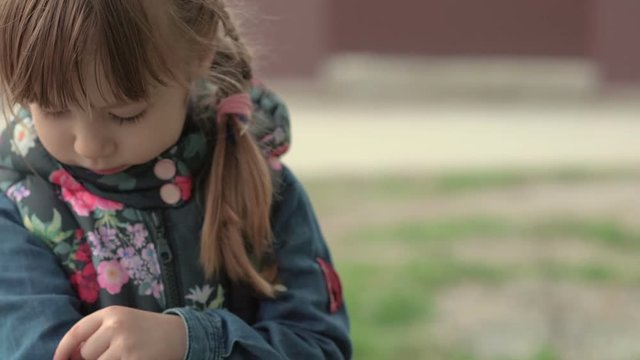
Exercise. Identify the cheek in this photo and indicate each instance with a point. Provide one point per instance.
(168, 126)
(148, 140)
(56, 138)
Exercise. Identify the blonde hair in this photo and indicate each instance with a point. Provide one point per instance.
(44, 48)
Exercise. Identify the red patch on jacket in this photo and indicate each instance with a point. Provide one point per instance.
(334, 288)
(85, 282)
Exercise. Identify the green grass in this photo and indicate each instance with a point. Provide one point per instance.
(327, 191)
(604, 232)
(483, 180)
(546, 353)
(400, 296)
(438, 230)
(385, 302)
(392, 300)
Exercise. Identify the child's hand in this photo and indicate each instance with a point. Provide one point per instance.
(119, 332)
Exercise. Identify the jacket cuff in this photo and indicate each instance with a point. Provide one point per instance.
(205, 339)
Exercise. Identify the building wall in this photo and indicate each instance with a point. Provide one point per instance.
(461, 27)
(294, 38)
(615, 41)
(290, 37)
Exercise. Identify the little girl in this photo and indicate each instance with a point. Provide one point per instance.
(144, 213)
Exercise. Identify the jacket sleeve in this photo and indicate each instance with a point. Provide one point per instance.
(307, 321)
(37, 304)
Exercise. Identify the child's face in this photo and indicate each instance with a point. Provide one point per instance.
(111, 137)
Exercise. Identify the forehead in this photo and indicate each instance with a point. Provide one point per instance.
(100, 92)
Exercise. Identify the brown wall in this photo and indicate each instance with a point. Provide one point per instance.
(291, 37)
(295, 37)
(461, 27)
(616, 47)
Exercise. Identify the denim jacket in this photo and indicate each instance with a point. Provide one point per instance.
(40, 299)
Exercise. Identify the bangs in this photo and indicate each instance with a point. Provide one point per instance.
(48, 48)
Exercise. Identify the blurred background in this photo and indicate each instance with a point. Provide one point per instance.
(475, 167)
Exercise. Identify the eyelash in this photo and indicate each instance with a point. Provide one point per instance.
(128, 120)
(122, 120)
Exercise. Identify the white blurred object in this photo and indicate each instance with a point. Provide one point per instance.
(362, 75)
(385, 115)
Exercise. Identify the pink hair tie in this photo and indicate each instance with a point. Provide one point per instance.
(237, 105)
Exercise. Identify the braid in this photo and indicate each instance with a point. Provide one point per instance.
(232, 62)
(236, 227)
(243, 53)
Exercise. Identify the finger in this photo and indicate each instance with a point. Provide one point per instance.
(110, 354)
(79, 333)
(76, 353)
(96, 345)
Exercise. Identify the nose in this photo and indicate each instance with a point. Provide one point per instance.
(93, 143)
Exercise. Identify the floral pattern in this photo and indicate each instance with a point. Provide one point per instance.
(101, 228)
(111, 276)
(201, 297)
(18, 192)
(86, 284)
(185, 185)
(24, 137)
(125, 253)
(81, 200)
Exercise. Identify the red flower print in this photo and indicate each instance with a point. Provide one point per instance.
(81, 200)
(85, 283)
(184, 183)
(83, 253)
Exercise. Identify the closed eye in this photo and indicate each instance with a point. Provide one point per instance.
(128, 120)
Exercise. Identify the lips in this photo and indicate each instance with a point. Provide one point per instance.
(109, 171)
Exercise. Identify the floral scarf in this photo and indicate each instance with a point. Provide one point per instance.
(102, 228)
